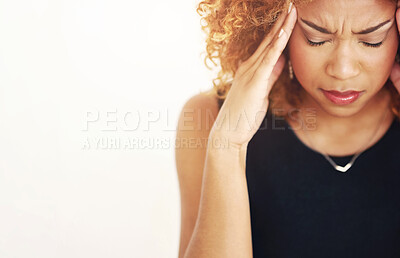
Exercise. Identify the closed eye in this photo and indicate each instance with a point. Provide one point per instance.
(314, 44)
(372, 45)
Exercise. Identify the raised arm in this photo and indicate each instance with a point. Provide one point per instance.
(222, 228)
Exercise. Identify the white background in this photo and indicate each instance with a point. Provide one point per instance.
(75, 75)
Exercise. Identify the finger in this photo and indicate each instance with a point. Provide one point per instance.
(275, 30)
(267, 40)
(267, 61)
(398, 16)
(395, 76)
(277, 70)
(276, 36)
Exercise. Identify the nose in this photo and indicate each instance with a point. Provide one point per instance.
(344, 64)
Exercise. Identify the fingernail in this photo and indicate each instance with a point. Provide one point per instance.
(290, 7)
(281, 33)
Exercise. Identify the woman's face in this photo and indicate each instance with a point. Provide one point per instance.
(344, 45)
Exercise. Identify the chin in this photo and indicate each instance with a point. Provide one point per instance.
(341, 111)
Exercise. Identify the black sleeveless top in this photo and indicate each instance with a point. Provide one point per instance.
(302, 207)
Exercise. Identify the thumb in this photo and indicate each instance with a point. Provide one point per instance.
(278, 68)
(395, 76)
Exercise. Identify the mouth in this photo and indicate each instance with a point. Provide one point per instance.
(342, 97)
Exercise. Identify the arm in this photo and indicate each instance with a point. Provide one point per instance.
(222, 228)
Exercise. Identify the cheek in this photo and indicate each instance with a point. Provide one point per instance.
(378, 66)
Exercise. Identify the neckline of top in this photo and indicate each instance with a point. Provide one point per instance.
(379, 142)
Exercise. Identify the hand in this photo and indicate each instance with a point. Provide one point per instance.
(246, 104)
(395, 74)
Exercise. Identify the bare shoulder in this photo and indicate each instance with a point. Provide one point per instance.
(195, 122)
(198, 114)
(194, 125)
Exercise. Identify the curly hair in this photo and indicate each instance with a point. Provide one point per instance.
(235, 29)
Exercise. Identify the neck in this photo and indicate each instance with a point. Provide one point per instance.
(345, 135)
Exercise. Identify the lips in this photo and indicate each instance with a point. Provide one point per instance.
(342, 98)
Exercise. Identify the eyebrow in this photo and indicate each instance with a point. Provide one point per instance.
(326, 31)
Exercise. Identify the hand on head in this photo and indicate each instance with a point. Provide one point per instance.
(395, 75)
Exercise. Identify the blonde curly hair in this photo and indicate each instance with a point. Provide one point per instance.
(235, 29)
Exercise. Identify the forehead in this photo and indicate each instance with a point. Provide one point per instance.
(357, 13)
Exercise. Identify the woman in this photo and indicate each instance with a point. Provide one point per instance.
(311, 122)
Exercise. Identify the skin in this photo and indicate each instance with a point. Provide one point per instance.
(220, 227)
(344, 62)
